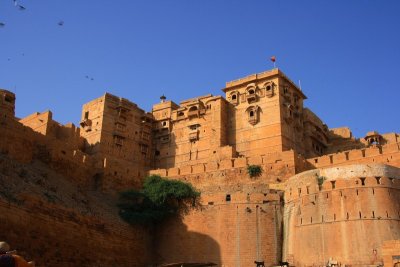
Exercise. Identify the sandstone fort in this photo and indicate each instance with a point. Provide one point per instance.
(323, 198)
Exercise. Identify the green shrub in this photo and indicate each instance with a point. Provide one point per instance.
(159, 199)
(254, 170)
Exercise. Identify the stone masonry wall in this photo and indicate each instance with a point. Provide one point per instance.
(347, 219)
(227, 229)
(52, 236)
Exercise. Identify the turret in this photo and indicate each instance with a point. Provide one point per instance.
(7, 104)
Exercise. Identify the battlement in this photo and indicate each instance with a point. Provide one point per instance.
(388, 154)
(328, 204)
(269, 162)
(339, 178)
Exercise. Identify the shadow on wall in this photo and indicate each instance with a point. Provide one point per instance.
(175, 244)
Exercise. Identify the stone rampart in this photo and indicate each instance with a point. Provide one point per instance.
(52, 236)
(233, 229)
(387, 154)
(329, 211)
(276, 167)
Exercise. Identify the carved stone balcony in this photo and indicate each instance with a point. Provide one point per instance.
(251, 98)
(193, 135)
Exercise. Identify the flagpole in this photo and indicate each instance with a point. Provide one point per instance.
(273, 59)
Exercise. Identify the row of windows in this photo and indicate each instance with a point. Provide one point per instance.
(371, 215)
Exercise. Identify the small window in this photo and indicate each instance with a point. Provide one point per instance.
(251, 114)
(86, 115)
(234, 97)
(362, 180)
(180, 113)
(164, 123)
(333, 184)
(268, 88)
(285, 89)
(251, 92)
(378, 179)
(228, 198)
(194, 108)
(8, 99)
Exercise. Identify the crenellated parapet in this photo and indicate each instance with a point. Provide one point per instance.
(387, 154)
(333, 209)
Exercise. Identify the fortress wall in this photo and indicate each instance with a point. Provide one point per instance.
(348, 219)
(387, 154)
(120, 174)
(232, 204)
(276, 167)
(59, 237)
(16, 144)
(229, 233)
(25, 145)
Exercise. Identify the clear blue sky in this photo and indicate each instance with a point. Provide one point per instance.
(346, 53)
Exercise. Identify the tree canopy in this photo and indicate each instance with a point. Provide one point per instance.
(159, 199)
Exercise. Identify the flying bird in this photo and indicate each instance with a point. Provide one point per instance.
(60, 23)
(89, 78)
(2, 24)
(22, 8)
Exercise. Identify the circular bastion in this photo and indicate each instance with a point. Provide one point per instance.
(341, 214)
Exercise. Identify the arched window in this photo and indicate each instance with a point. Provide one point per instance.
(269, 89)
(253, 114)
(252, 93)
(193, 111)
(194, 108)
(234, 97)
